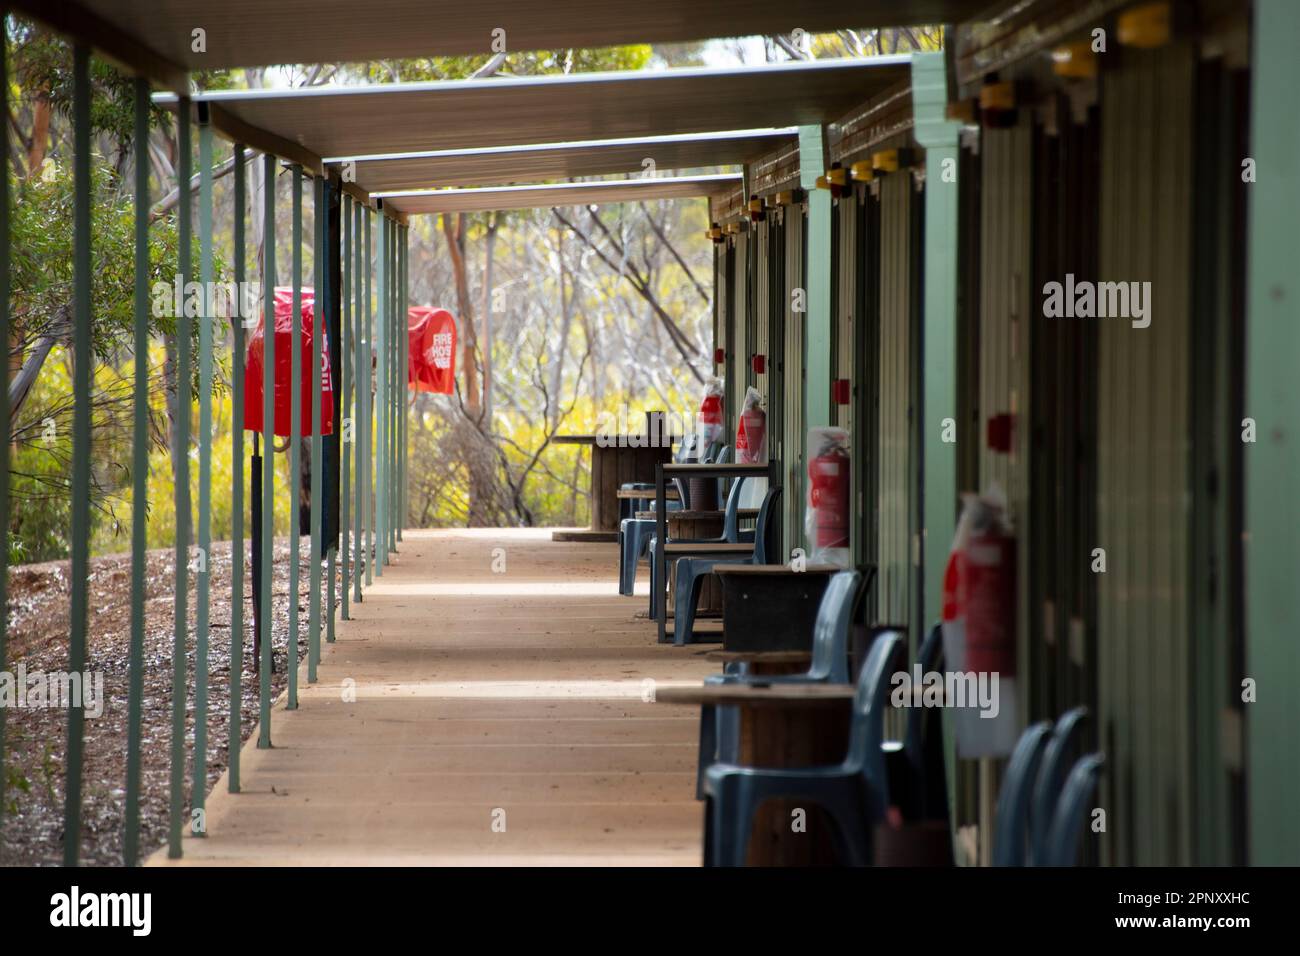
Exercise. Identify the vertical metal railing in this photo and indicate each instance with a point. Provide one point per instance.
(367, 372)
(4, 408)
(319, 325)
(268, 451)
(361, 386)
(332, 545)
(181, 464)
(397, 323)
(403, 309)
(81, 451)
(374, 359)
(347, 420)
(390, 447)
(237, 479)
(139, 478)
(381, 399)
(201, 572)
(295, 439)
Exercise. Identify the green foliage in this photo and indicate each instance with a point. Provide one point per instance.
(43, 63)
(532, 63)
(14, 782)
(42, 267)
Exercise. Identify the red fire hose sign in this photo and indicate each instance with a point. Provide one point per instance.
(432, 363)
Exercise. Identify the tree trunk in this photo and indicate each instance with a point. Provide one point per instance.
(489, 250)
(40, 139)
(478, 460)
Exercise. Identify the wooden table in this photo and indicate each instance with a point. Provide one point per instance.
(783, 725)
(771, 607)
(664, 472)
(765, 663)
(615, 461)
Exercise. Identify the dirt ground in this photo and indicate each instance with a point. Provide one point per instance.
(36, 738)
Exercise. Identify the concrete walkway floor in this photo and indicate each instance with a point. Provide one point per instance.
(484, 707)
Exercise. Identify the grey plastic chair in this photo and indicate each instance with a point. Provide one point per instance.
(645, 528)
(635, 535)
(854, 793)
(1062, 749)
(1011, 823)
(1072, 811)
(692, 569)
(925, 793)
(720, 726)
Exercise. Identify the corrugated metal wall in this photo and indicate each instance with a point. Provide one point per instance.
(723, 332)
(895, 464)
(742, 327)
(845, 299)
(846, 221)
(1007, 306)
(1143, 436)
(1061, 670)
(792, 440)
(866, 377)
(762, 300)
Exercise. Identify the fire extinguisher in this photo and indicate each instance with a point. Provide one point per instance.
(828, 495)
(989, 581)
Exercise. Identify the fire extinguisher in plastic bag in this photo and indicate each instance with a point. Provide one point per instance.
(828, 494)
(708, 424)
(986, 554)
(751, 434)
(979, 620)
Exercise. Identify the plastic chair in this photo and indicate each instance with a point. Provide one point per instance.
(925, 792)
(636, 534)
(854, 793)
(731, 534)
(720, 725)
(1072, 810)
(1061, 751)
(1010, 826)
(692, 569)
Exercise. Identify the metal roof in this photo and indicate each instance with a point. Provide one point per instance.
(506, 111)
(559, 194)
(156, 35)
(534, 163)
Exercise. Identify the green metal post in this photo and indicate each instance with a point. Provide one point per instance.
(268, 451)
(361, 385)
(4, 404)
(181, 462)
(202, 577)
(237, 481)
(319, 325)
(393, 347)
(818, 328)
(347, 418)
(389, 344)
(938, 470)
(1272, 550)
(139, 478)
(368, 377)
(399, 383)
(403, 374)
(381, 402)
(81, 359)
(332, 562)
(295, 440)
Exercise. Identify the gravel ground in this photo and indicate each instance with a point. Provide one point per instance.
(36, 738)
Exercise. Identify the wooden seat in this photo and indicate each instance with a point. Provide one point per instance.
(685, 547)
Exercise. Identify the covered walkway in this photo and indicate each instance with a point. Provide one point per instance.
(485, 680)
